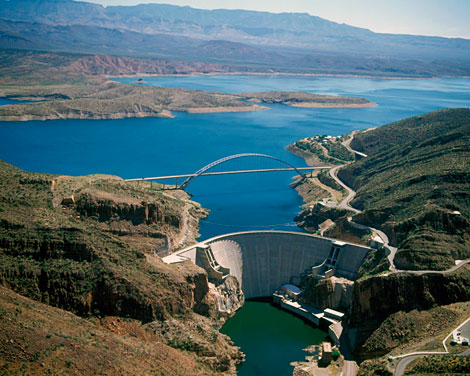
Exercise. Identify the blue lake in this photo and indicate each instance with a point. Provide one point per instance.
(153, 146)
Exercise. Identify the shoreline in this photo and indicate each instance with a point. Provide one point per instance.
(208, 110)
(331, 105)
(287, 74)
(165, 114)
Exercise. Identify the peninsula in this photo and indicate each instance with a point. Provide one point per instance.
(62, 86)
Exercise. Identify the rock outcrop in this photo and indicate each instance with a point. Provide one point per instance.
(334, 292)
(106, 209)
(229, 297)
(375, 298)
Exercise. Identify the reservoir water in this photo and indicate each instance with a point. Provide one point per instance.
(270, 338)
(153, 146)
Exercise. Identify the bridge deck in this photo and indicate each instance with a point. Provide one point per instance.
(227, 173)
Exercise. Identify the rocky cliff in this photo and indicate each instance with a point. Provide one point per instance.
(335, 293)
(87, 245)
(376, 298)
(229, 297)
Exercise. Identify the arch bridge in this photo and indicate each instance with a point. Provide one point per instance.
(204, 171)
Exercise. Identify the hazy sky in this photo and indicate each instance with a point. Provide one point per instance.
(449, 18)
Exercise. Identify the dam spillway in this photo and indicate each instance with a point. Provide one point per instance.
(264, 260)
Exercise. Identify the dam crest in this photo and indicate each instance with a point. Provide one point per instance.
(264, 260)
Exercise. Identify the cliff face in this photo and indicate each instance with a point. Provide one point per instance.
(229, 297)
(105, 209)
(376, 298)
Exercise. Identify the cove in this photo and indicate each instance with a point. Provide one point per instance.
(271, 338)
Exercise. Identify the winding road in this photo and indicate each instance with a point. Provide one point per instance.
(406, 359)
(346, 205)
(350, 366)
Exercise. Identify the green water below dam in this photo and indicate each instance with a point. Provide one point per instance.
(271, 338)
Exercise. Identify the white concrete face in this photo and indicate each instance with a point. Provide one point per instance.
(262, 261)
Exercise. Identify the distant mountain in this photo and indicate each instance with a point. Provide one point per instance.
(287, 41)
(298, 30)
(23, 34)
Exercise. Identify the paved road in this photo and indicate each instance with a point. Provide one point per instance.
(451, 270)
(408, 358)
(347, 144)
(400, 369)
(350, 366)
(345, 203)
(383, 236)
(401, 366)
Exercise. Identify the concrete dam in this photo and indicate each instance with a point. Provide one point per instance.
(264, 260)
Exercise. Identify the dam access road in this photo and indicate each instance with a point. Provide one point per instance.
(346, 205)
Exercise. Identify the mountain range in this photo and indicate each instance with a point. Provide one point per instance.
(295, 42)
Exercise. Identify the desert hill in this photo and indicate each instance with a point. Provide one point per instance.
(414, 184)
(87, 245)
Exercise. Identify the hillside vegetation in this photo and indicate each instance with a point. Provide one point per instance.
(415, 185)
(86, 245)
(36, 339)
(440, 365)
